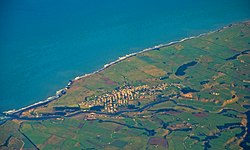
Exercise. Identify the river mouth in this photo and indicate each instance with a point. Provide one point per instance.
(199, 115)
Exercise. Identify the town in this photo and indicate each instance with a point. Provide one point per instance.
(122, 96)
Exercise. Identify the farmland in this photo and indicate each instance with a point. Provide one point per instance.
(190, 95)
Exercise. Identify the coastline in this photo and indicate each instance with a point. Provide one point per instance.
(62, 91)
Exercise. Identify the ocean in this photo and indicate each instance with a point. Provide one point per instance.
(45, 43)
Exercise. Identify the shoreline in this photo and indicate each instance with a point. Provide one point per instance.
(62, 91)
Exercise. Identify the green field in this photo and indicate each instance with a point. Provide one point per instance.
(212, 116)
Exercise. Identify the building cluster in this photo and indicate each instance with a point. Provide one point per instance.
(123, 96)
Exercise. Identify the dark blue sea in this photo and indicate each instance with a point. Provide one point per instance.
(44, 43)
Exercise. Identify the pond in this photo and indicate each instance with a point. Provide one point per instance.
(236, 55)
(181, 70)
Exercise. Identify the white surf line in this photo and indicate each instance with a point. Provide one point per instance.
(59, 92)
